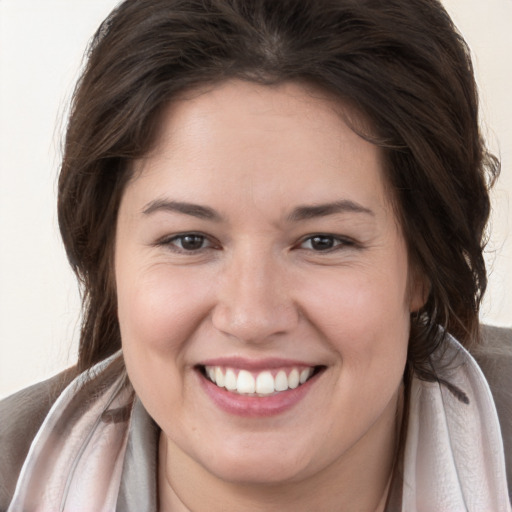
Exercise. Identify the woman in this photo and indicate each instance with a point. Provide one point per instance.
(277, 213)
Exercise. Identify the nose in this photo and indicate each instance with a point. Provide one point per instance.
(254, 301)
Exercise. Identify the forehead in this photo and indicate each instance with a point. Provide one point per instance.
(237, 103)
(290, 138)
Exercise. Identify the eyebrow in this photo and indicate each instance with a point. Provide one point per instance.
(298, 214)
(322, 210)
(195, 210)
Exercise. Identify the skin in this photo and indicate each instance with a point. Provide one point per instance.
(257, 287)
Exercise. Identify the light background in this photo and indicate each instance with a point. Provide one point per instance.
(41, 47)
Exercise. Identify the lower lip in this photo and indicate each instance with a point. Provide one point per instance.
(256, 406)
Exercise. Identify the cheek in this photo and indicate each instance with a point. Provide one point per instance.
(363, 314)
(159, 313)
(159, 309)
(359, 300)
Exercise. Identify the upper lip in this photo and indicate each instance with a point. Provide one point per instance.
(255, 364)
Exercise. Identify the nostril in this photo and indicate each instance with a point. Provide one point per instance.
(259, 324)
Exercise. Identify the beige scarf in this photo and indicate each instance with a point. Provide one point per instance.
(453, 460)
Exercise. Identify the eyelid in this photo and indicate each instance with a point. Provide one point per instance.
(342, 242)
(167, 241)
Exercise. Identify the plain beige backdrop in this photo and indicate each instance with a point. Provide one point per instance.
(41, 47)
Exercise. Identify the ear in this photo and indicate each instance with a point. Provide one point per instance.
(419, 289)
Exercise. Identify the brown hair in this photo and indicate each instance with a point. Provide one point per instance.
(400, 63)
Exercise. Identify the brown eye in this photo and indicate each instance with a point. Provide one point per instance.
(189, 242)
(322, 243)
(325, 243)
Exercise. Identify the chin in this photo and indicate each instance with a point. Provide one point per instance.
(263, 464)
(258, 472)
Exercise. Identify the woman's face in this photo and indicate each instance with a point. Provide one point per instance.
(256, 249)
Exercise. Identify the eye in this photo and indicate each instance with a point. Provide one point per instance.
(324, 243)
(187, 242)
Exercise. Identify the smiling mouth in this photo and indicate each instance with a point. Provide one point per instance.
(259, 384)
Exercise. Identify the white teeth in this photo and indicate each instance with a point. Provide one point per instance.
(219, 377)
(281, 383)
(263, 384)
(230, 380)
(305, 374)
(293, 378)
(245, 382)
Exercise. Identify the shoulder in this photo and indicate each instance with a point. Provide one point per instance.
(494, 357)
(21, 415)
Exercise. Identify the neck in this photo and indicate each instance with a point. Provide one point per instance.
(359, 481)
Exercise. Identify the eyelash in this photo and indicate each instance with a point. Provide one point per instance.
(338, 243)
(169, 242)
